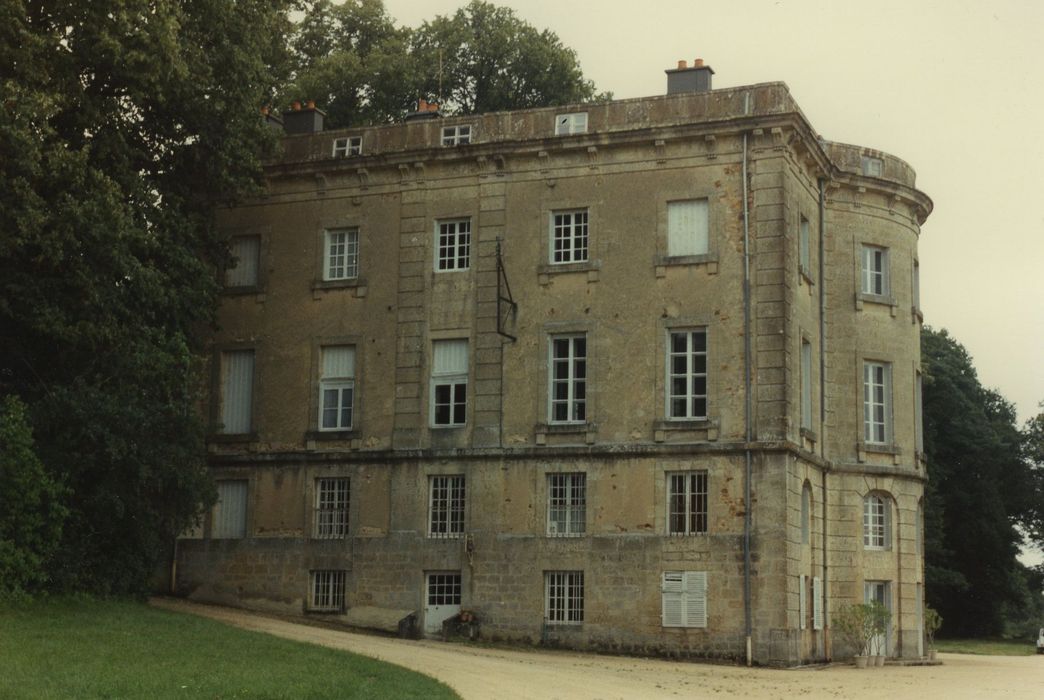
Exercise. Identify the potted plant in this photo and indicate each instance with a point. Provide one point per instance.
(877, 621)
(932, 622)
(854, 625)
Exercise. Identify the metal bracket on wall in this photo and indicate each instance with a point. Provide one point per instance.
(503, 296)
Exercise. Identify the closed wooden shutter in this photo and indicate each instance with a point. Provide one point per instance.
(817, 603)
(684, 599)
(802, 602)
(673, 592)
(696, 599)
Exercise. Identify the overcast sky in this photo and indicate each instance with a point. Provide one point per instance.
(953, 87)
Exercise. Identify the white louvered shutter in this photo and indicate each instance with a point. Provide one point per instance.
(817, 603)
(696, 599)
(237, 389)
(673, 607)
(687, 227)
(802, 602)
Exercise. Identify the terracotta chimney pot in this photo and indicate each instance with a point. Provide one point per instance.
(682, 64)
(698, 63)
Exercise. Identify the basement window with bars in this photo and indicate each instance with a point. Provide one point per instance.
(566, 505)
(564, 597)
(331, 507)
(347, 146)
(687, 503)
(327, 591)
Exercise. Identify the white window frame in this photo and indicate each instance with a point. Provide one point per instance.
(817, 603)
(222, 527)
(454, 380)
(244, 249)
(569, 236)
(688, 503)
(877, 521)
(347, 146)
(342, 387)
(564, 597)
(447, 499)
(566, 504)
(573, 365)
(443, 588)
(691, 375)
(570, 123)
(871, 167)
(458, 135)
(874, 267)
(326, 590)
(341, 254)
(806, 384)
(332, 498)
(877, 403)
(238, 368)
(683, 599)
(452, 245)
(688, 227)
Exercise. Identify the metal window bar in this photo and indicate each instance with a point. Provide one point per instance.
(687, 504)
(567, 505)
(565, 597)
(331, 508)
(327, 590)
(447, 506)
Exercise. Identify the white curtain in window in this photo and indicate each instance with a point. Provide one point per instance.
(230, 518)
(246, 250)
(687, 227)
(450, 357)
(338, 362)
(237, 390)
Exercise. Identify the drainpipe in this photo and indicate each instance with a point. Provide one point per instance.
(822, 405)
(748, 401)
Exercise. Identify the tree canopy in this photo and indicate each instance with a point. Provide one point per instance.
(984, 495)
(362, 69)
(125, 124)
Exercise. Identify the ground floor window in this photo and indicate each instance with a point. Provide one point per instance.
(684, 598)
(327, 591)
(444, 588)
(564, 597)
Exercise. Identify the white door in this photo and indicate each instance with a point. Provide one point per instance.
(442, 599)
(878, 590)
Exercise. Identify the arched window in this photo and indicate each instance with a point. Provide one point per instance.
(877, 531)
(806, 513)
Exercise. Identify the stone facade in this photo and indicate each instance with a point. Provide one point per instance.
(629, 298)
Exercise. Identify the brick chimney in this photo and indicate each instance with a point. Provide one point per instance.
(425, 110)
(686, 79)
(303, 120)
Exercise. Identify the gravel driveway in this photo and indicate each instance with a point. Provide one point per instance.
(481, 674)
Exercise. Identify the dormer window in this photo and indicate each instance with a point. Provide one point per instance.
(456, 135)
(575, 123)
(347, 146)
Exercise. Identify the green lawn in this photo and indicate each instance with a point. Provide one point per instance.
(989, 647)
(81, 648)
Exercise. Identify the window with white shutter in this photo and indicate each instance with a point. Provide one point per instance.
(803, 601)
(817, 603)
(684, 596)
(237, 391)
(687, 228)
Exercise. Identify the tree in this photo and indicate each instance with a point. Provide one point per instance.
(981, 491)
(485, 59)
(126, 123)
(362, 69)
(31, 511)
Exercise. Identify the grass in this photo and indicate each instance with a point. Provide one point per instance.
(988, 647)
(85, 648)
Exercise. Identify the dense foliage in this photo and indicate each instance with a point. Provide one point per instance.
(125, 123)
(985, 494)
(360, 68)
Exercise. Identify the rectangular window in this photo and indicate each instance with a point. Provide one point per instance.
(444, 588)
(337, 388)
(575, 123)
(817, 603)
(918, 415)
(876, 534)
(687, 503)
(449, 382)
(687, 375)
(564, 599)
(454, 245)
(331, 507)
(916, 284)
(230, 513)
(237, 391)
(806, 385)
(456, 135)
(872, 167)
(684, 599)
(804, 248)
(802, 601)
(875, 271)
(341, 260)
(566, 505)
(568, 392)
(246, 252)
(687, 228)
(327, 591)
(347, 146)
(569, 236)
(877, 403)
(446, 506)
